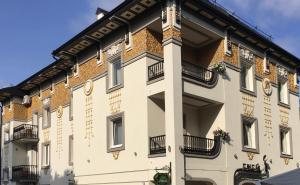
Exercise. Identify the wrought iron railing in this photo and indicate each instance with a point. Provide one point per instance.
(201, 146)
(25, 173)
(192, 145)
(157, 145)
(199, 74)
(155, 71)
(25, 131)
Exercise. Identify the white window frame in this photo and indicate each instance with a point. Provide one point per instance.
(283, 92)
(227, 43)
(111, 132)
(46, 155)
(249, 77)
(46, 117)
(99, 55)
(252, 134)
(71, 150)
(35, 119)
(111, 86)
(288, 141)
(296, 81)
(267, 64)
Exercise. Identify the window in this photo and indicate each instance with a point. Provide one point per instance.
(71, 107)
(6, 136)
(283, 92)
(116, 132)
(296, 80)
(285, 141)
(266, 65)
(71, 150)
(46, 155)
(99, 55)
(116, 73)
(247, 77)
(46, 117)
(228, 44)
(76, 69)
(250, 134)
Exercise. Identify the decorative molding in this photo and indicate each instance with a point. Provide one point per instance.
(115, 101)
(286, 161)
(267, 86)
(284, 117)
(282, 73)
(89, 134)
(116, 155)
(88, 87)
(59, 111)
(268, 130)
(248, 105)
(250, 155)
(59, 134)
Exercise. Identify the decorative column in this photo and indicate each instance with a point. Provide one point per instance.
(173, 94)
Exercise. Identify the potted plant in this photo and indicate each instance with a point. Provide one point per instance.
(222, 134)
(220, 67)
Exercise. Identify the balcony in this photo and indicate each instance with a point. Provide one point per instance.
(156, 71)
(191, 72)
(25, 173)
(26, 133)
(193, 146)
(158, 145)
(198, 74)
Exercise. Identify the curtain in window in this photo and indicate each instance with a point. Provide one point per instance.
(243, 77)
(117, 132)
(116, 73)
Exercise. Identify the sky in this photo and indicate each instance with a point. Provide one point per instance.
(30, 30)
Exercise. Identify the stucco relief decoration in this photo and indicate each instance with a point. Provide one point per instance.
(268, 130)
(247, 55)
(6, 152)
(248, 105)
(46, 102)
(46, 134)
(116, 155)
(284, 117)
(114, 50)
(89, 134)
(59, 147)
(250, 155)
(267, 86)
(88, 87)
(282, 73)
(286, 161)
(115, 101)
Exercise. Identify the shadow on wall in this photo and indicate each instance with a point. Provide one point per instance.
(48, 177)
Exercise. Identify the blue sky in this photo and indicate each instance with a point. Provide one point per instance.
(30, 30)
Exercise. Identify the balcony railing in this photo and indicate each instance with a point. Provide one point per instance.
(193, 145)
(199, 74)
(25, 173)
(201, 146)
(155, 71)
(157, 145)
(191, 71)
(25, 131)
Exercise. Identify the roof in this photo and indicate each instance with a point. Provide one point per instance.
(126, 11)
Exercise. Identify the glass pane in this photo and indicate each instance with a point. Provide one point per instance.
(245, 135)
(243, 76)
(117, 137)
(116, 73)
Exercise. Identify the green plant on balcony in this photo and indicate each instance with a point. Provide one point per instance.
(222, 134)
(219, 67)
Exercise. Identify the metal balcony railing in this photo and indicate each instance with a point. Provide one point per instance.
(158, 145)
(25, 173)
(155, 71)
(200, 74)
(25, 131)
(194, 145)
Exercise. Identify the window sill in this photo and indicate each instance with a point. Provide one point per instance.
(46, 127)
(253, 150)
(116, 148)
(252, 93)
(288, 156)
(45, 167)
(284, 105)
(114, 88)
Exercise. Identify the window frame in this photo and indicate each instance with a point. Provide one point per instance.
(46, 111)
(249, 66)
(254, 121)
(109, 82)
(44, 165)
(71, 150)
(110, 140)
(289, 130)
(282, 103)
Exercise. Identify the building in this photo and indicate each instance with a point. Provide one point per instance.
(179, 92)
